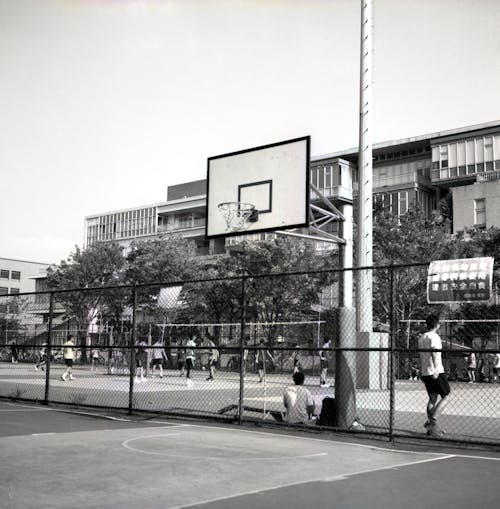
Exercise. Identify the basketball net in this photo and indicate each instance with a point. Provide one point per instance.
(237, 215)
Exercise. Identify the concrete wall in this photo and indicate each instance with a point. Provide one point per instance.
(463, 204)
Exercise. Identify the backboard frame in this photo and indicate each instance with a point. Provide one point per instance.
(241, 189)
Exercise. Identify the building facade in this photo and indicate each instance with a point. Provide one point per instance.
(18, 276)
(456, 165)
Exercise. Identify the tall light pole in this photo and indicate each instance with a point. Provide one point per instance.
(364, 278)
(364, 291)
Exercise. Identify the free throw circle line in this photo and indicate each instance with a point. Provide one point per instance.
(127, 445)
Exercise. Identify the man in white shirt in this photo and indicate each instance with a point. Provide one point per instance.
(69, 354)
(432, 374)
(190, 360)
(298, 401)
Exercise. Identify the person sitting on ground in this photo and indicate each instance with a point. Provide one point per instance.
(298, 401)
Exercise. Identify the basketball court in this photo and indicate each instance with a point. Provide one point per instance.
(54, 457)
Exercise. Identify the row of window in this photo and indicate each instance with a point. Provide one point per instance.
(401, 154)
(480, 152)
(11, 308)
(463, 171)
(14, 274)
(121, 225)
(5, 291)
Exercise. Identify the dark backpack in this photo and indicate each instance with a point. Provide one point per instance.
(328, 415)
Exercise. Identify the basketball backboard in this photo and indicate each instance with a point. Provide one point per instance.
(273, 178)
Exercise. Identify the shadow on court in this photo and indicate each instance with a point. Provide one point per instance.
(53, 458)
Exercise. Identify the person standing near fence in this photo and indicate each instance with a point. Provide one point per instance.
(297, 362)
(432, 374)
(261, 357)
(471, 367)
(95, 358)
(213, 358)
(42, 358)
(190, 360)
(496, 367)
(158, 356)
(323, 361)
(141, 360)
(69, 354)
(181, 359)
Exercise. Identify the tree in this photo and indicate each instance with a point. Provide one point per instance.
(101, 265)
(276, 296)
(405, 240)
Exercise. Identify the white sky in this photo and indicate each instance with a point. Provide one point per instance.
(104, 104)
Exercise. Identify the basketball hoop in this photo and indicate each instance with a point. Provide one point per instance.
(238, 215)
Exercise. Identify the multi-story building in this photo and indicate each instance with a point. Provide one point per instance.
(17, 276)
(458, 165)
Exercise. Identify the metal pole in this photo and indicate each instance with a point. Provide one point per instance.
(48, 350)
(392, 384)
(242, 349)
(364, 288)
(365, 219)
(132, 353)
(345, 360)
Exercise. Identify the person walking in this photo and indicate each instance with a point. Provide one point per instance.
(323, 361)
(141, 360)
(190, 360)
(158, 356)
(261, 357)
(471, 367)
(69, 355)
(181, 359)
(213, 358)
(432, 375)
(42, 358)
(95, 359)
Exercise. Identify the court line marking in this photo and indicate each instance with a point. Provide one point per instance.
(32, 407)
(366, 446)
(171, 424)
(126, 444)
(287, 485)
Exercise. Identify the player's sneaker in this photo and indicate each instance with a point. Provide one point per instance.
(71, 377)
(36, 369)
(189, 383)
(435, 431)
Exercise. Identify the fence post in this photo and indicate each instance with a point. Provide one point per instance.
(48, 350)
(242, 349)
(392, 384)
(132, 353)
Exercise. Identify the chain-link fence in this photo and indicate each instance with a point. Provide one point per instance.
(230, 349)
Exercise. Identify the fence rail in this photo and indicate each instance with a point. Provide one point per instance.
(252, 333)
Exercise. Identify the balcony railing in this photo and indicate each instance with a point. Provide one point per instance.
(488, 176)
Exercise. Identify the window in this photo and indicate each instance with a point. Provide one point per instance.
(4, 290)
(15, 274)
(14, 291)
(4, 274)
(480, 212)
